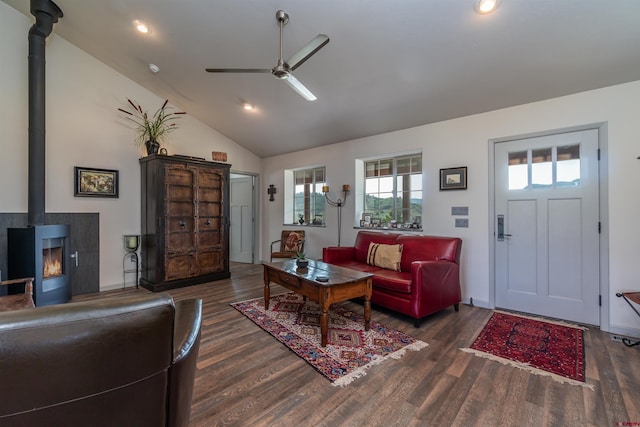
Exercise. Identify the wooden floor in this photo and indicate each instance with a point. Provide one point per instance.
(247, 378)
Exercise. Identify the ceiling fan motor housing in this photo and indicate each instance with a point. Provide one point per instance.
(281, 71)
(282, 16)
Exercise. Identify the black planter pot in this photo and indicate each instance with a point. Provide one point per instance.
(302, 263)
(152, 147)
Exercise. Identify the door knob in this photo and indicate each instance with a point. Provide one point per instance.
(501, 233)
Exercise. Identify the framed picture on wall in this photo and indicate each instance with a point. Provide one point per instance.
(90, 182)
(453, 178)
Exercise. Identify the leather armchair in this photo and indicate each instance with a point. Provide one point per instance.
(109, 362)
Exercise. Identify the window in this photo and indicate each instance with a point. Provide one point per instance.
(393, 190)
(308, 200)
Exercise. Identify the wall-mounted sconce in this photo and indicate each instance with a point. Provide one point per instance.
(337, 203)
(271, 190)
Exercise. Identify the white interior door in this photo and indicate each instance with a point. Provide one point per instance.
(547, 226)
(241, 221)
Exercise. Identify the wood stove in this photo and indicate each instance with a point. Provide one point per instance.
(41, 252)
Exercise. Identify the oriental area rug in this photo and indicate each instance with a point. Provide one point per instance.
(350, 350)
(540, 346)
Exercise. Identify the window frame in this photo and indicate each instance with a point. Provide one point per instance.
(415, 221)
(314, 204)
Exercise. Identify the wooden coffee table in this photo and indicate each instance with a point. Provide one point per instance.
(342, 284)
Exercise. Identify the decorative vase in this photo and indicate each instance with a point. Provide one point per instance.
(302, 263)
(152, 147)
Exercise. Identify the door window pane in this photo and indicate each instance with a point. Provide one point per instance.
(568, 166)
(518, 171)
(541, 168)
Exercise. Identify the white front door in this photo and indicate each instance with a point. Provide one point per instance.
(547, 226)
(241, 221)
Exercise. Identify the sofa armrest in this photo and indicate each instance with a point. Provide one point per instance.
(186, 343)
(335, 254)
(436, 283)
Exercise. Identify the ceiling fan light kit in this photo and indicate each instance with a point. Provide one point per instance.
(283, 69)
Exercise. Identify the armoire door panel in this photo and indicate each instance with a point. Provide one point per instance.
(209, 239)
(207, 194)
(210, 178)
(180, 242)
(210, 262)
(180, 266)
(179, 175)
(180, 209)
(179, 192)
(209, 209)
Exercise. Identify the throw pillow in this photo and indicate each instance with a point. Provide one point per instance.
(384, 256)
(291, 244)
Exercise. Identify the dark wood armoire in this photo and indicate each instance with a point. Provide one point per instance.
(185, 221)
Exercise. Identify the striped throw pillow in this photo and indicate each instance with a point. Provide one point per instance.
(384, 256)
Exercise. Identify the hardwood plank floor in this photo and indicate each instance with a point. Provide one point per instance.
(247, 378)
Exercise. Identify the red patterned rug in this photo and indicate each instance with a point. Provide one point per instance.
(350, 349)
(540, 346)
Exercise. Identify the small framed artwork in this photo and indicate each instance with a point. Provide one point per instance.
(375, 222)
(453, 178)
(366, 217)
(89, 182)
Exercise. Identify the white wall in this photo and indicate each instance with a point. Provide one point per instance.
(465, 142)
(84, 128)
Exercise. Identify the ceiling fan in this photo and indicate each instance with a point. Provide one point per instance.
(283, 69)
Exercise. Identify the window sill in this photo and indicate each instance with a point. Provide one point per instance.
(402, 230)
(305, 225)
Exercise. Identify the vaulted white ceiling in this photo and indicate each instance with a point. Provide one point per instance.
(388, 65)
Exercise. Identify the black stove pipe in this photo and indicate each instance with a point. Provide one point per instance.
(46, 13)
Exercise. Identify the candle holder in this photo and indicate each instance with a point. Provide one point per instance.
(337, 204)
(131, 242)
(131, 245)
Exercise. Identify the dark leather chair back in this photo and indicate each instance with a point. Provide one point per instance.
(107, 362)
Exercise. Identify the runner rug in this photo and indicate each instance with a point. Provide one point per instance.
(540, 346)
(350, 350)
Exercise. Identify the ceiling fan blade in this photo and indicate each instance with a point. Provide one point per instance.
(300, 88)
(238, 70)
(306, 52)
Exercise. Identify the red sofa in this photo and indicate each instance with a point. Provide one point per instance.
(429, 276)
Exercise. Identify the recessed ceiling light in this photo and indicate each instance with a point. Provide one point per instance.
(141, 26)
(154, 68)
(247, 106)
(486, 6)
